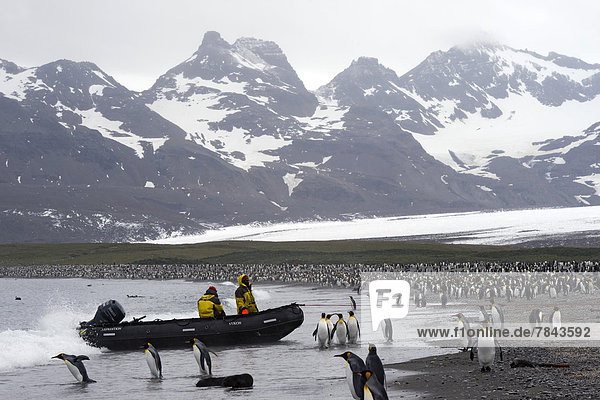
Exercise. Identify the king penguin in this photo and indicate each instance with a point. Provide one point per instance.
(388, 331)
(75, 365)
(555, 318)
(353, 328)
(153, 360)
(486, 349)
(321, 332)
(497, 316)
(202, 355)
(340, 330)
(353, 302)
(330, 327)
(354, 367)
(536, 317)
(467, 342)
(374, 364)
(372, 388)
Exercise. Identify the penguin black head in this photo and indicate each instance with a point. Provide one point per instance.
(329, 316)
(372, 349)
(344, 355)
(340, 316)
(322, 315)
(60, 356)
(146, 346)
(351, 313)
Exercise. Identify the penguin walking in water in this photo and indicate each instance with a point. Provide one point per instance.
(322, 332)
(202, 356)
(536, 317)
(76, 367)
(372, 388)
(153, 360)
(353, 328)
(354, 368)
(388, 332)
(555, 318)
(374, 364)
(486, 350)
(340, 330)
(353, 302)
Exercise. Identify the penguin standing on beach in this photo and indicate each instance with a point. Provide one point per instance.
(354, 368)
(340, 330)
(372, 388)
(536, 317)
(374, 364)
(202, 356)
(153, 360)
(330, 327)
(76, 367)
(486, 350)
(467, 342)
(353, 328)
(322, 333)
(555, 318)
(497, 316)
(353, 302)
(388, 331)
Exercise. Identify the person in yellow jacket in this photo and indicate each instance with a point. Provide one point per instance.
(209, 305)
(244, 296)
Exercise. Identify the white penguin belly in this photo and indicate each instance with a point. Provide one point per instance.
(75, 371)
(152, 364)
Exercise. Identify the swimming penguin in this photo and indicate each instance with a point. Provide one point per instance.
(497, 316)
(153, 360)
(321, 332)
(388, 331)
(486, 350)
(353, 303)
(340, 330)
(354, 367)
(353, 328)
(202, 355)
(536, 317)
(75, 365)
(555, 318)
(372, 388)
(374, 364)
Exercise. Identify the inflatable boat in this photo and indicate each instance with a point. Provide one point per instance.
(107, 330)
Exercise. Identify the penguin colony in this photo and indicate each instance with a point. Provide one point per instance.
(201, 354)
(330, 275)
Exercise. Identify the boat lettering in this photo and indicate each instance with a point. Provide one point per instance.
(116, 328)
(235, 323)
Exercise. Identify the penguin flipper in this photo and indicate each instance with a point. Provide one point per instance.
(333, 331)
(358, 326)
(315, 332)
(347, 330)
(471, 356)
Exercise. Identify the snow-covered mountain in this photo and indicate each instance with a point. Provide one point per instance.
(231, 135)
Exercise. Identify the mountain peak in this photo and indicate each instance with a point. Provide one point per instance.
(213, 38)
(366, 61)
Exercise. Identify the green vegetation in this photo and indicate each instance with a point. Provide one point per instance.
(335, 252)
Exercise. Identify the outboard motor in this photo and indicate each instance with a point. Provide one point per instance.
(110, 312)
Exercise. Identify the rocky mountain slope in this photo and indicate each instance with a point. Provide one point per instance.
(231, 135)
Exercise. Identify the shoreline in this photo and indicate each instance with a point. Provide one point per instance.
(455, 376)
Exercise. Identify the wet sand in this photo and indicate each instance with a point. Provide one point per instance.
(455, 376)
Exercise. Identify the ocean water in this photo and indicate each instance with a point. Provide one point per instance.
(43, 324)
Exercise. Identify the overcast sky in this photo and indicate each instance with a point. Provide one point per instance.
(136, 41)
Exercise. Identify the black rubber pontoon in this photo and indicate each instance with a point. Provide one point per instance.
(262, 327)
